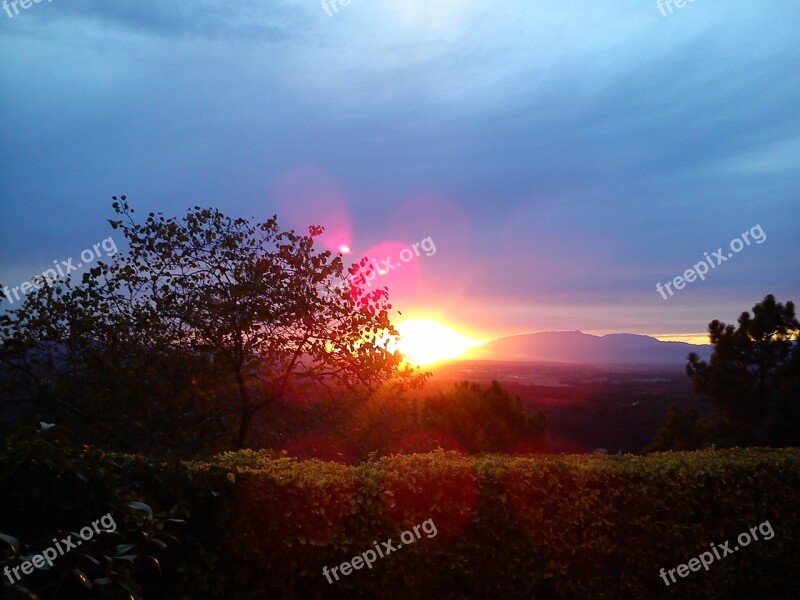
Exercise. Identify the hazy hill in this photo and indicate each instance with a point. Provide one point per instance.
(579, 347)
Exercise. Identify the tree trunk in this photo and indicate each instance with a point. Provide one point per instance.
(246, 416)
(244, 427)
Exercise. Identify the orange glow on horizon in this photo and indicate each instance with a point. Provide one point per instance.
(689, 338)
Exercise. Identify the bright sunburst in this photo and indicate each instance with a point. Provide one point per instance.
(424, 341)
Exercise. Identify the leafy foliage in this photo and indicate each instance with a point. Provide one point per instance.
(548, 527)
(483, 419)
(753, 377)
(203, 326)
(124, 559)
(468, 417)
(682, 431)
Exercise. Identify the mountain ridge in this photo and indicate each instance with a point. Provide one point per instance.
(586, 348)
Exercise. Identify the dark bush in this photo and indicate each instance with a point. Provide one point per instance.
(566, 527)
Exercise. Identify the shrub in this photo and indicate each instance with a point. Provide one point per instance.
(543, 527)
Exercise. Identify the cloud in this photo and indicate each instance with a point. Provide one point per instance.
(208, 19)
(592, 148)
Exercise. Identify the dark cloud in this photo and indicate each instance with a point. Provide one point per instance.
(589, 150)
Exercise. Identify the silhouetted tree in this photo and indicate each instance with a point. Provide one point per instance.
(482, 419)
(467, 417)
(682, 431)
(203, 324)
(752, 376)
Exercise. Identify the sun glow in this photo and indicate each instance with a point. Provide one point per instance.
(424, 342)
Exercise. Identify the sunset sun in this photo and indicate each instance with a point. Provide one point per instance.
(424, 341)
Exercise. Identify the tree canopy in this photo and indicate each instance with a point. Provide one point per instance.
(203, 325)
(752, 378)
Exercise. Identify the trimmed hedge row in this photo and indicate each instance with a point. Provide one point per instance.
(541, 527)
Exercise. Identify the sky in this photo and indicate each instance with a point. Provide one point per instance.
(563, 158)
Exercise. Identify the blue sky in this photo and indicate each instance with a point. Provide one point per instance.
(565, 157)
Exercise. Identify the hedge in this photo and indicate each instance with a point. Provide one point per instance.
(513, 527)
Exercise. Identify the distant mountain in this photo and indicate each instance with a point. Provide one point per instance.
(579, 347)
